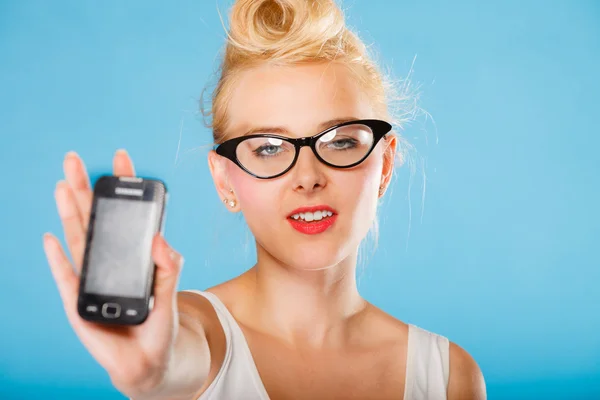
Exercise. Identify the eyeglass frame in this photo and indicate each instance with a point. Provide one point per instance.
(379, 128)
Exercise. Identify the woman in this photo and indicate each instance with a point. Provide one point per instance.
(304, 152)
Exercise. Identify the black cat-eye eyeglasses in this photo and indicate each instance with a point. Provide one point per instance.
(267, 156)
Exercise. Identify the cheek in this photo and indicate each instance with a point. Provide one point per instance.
(363, 186)
(254, 195)
(365, 180)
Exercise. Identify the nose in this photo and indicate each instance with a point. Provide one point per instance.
(308, 172)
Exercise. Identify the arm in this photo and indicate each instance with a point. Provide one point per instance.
(175, 351)
(466, 381)
(198, 351)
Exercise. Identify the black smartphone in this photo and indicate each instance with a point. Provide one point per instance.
(117, 274)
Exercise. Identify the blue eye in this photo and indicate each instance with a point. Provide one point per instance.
(267, 150)
(342, 144)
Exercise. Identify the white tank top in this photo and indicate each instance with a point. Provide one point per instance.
(427, 364)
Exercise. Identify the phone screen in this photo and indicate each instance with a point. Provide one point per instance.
(119, 258)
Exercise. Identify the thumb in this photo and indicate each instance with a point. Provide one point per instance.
(168, 267)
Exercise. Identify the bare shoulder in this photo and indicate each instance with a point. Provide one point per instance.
(466, 380)
(197, 308)
(194, 307)
(384, 327)
(201, 309)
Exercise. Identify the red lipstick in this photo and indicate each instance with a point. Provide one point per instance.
(313, 227)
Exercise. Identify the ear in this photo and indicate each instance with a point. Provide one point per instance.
(218, 170)
(389, 157)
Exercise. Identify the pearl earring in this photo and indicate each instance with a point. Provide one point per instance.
(230, 203)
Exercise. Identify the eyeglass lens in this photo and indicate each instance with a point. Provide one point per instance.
(268, 156)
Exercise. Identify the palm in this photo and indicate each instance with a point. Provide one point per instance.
(131, 355)
(123, 350)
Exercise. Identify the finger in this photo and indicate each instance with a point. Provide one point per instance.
(71, 222)
(168, 267)
(78, 179)
(122, 164)
(63, 273)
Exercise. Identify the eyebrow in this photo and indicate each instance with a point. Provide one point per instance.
(282, 131)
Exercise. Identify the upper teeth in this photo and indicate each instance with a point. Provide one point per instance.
(312, 216)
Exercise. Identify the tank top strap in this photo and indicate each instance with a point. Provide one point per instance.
(238, 377)
(427, 365)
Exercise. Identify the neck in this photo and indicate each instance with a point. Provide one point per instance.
(304, 307)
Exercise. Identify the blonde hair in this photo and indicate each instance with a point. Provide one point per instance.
(287, 32)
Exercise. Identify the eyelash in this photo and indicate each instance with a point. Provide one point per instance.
(351, 141)
(259, 150)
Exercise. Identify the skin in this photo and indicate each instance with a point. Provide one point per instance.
(310, 332)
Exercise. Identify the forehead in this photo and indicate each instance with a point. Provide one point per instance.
(298, 98)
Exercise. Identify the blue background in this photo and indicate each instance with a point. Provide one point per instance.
(492, 241)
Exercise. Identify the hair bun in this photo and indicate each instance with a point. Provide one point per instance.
(284, 28)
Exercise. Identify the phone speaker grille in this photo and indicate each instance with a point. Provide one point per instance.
(130, 179)
(129, 191)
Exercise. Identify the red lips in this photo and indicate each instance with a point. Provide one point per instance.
(314, 227)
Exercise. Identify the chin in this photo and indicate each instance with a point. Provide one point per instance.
(309, 253)
(314, 259)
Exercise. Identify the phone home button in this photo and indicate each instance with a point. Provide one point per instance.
(111, 310)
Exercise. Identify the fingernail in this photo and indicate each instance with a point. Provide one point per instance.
(45, 238)
(178, 258)
(121, 151)
(59, 189)
(48, 247)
